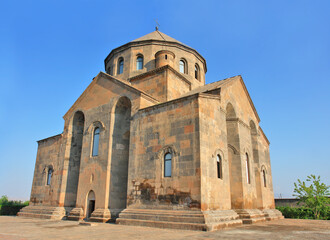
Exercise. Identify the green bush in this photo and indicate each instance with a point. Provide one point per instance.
(304, 212)
(11, 207)
(11, 210)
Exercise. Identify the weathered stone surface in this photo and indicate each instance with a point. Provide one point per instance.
(219, 173)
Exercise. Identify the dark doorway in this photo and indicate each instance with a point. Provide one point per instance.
(91, 208)
(90, 204)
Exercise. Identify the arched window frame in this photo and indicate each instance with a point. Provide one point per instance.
(96, 141)
(49, 176)
(161, 157)
(183, 66)
(219, 167)
(139, 62)
(120, 66)
(247, 166)
(197, 72)
(168, 157)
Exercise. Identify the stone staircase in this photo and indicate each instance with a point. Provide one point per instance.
(45, 212)
(250, 216)
(219, 219)
(179, 219)
(272, 214)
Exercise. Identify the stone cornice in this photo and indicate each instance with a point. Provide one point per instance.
(169, 102)
(264, 135)
(209, 96)
(197, 95)
(45, 139)
(249, 98)
(128, 84)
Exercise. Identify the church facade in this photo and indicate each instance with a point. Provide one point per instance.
(149, 143)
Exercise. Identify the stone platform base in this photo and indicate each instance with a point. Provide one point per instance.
(45, 212)
(175, 219)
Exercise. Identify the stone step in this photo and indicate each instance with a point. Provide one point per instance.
(89, 224)
(250, 216)
(274, 218)
(44, 212)
(220, 216)
(162, 224)
(272, 214)
(245, 216)
(163, 212)
(42, 216)
(163, 217)
(224, 224)
(253, 220)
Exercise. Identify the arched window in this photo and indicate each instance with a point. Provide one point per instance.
(168, 165)
(264, 176)
(247, 168)
(120, 67)
(183, 66)
(49, 175)
(197, 72)
(96, 138)
(219, 166)
(139, 63)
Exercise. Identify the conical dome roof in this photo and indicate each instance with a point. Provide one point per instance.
(157, 35)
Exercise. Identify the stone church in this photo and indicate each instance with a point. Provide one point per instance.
(149, 143)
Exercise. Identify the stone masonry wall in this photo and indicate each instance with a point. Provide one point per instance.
(95, 170)
(235, 94)
(170, 127)
(47, 156)
(97, 105)
(155, 85)
(267, 191)
(176, 86)
(215, 191)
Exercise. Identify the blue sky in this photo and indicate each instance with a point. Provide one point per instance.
(51, 50)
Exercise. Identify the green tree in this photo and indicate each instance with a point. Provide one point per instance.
(315, 195)
(3, 200)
